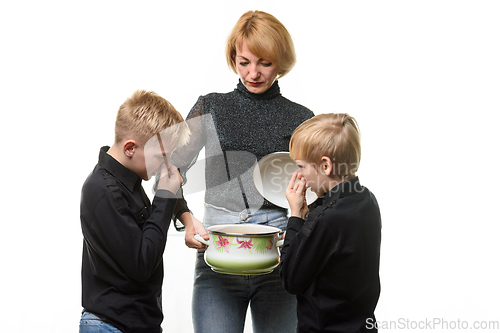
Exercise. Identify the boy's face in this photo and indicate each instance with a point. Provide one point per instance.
(153, 157)
(316, 177)
(145, 163)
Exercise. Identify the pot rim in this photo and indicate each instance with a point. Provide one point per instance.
(271, 230)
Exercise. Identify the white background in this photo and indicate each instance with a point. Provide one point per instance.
(421, 78)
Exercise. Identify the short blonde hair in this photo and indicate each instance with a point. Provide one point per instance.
(144, 115)
(335, 135)
(265, 37)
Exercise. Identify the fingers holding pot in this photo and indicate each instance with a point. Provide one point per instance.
(201, 240)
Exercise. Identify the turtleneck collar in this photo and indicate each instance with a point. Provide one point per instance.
(272, 92)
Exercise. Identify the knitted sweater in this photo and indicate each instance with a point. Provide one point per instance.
(236, 129)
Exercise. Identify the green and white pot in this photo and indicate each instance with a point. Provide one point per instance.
(242, 249)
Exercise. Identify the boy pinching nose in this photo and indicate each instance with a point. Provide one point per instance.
(330, 257)
(124, 234)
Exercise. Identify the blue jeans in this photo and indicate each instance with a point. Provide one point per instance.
(220, 301)
(274, 217)
(90, 323)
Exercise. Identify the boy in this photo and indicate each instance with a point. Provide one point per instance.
(124, 234)
(331, 260)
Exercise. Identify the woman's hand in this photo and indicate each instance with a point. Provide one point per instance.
(296, 197)
(193, 226)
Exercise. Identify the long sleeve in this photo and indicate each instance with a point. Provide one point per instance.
(307, 249)
(123, 240)
(124, 237)
(235, 130)
(331, 261)
(185, 157)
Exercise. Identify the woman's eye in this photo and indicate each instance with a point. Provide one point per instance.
(243, 63)
(267, 64)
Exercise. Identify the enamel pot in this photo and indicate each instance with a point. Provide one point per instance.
(242, 249)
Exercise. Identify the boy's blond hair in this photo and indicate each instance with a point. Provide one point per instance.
(334, 135)
(144, 115)
(266, 37)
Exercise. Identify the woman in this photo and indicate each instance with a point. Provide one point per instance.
(237, 129)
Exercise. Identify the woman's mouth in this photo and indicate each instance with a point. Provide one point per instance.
(255, 84)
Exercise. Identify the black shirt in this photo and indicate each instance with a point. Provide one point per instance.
(124, 240)
(331, 261)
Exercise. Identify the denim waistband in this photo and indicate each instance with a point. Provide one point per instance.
(276, 217)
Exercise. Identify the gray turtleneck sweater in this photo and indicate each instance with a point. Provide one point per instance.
(236, 129)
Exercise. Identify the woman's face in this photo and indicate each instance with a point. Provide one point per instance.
(257, 74)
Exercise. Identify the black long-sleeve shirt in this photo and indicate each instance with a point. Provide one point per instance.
(331, 261)
(124, 239)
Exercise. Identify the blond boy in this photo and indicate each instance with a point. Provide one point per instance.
(124, 234)
(330, 258)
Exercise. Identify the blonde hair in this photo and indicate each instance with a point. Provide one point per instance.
(144, 115)
(334, 135)
(265, 37)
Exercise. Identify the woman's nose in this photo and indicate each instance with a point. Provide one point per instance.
(254, 72)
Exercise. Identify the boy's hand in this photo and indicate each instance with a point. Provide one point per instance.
(170, 178)
(296, 196)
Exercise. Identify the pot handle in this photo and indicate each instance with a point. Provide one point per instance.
(201, 240)
(280, 243)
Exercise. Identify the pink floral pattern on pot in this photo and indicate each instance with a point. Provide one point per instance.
(245, 244)
(259, 244)
(223, 243)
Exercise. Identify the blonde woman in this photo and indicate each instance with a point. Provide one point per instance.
(237, 129)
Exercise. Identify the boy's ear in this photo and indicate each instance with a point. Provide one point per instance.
(129, 148)
(326, 165)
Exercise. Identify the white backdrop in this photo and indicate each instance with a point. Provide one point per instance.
(421, 78)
